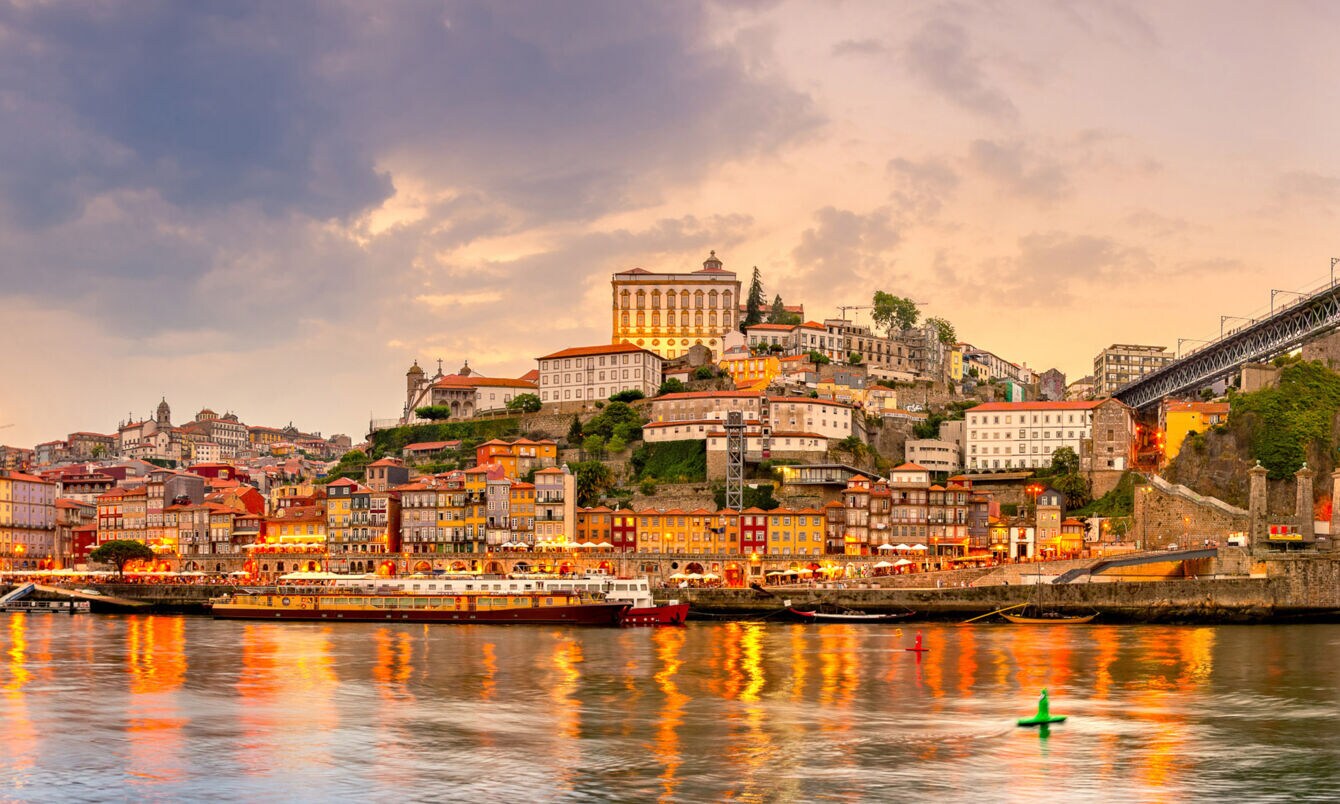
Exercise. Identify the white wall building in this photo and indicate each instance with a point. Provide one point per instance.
(1023, 435)
(593, 373)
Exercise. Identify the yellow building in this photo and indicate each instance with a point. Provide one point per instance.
(796, 532)
(476, 507)
(1181, 419)
(956, 365)
(751, 372)
(667, 313)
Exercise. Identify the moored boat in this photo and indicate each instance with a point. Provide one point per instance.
(847, 616)
(1049, 619)
(479, 607)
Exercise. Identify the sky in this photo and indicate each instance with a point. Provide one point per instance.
(273, 208)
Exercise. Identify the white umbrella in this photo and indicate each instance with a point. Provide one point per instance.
(883, 564)
(919, 547)
(693, 576)
(711, 576)
(902, 547)
(902, 562)
(885, 547)
(679, 576)
(606, 545)
(588, 544)
(521, 546)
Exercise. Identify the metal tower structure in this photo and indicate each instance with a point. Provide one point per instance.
(735, 460)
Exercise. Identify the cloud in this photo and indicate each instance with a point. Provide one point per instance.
(1049, 268)
(940, 56)
(921, 188)
(845, 253)
(1019, 171)
(1306, 189)
(859, 47)
(176, 168)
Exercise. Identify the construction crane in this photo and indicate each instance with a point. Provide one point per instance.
(843, 308)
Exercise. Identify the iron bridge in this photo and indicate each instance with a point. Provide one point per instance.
(1263, 339)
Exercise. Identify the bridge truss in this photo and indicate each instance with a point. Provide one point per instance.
(1263, 339)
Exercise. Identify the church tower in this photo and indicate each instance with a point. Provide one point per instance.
(164, 416)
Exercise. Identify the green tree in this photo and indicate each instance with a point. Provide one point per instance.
(854, 358)
(353, 464)
(99, 451)
(776, 348)
(120, 552)
(575, 430)
(608, 422)
(616, 444)
(1207, 394)
(671, 386)
(778, 311)
(893, 312)
(592, 479)
(594, 445)
(629, 395)
(647, 487)
(704, 373)
(818, 358)
(753, 306)
(946, 330)
(1065, 462)
(433, 412)
(1075, 487)
(853, 446)
(524, 403)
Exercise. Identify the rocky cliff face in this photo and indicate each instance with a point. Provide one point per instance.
(1215, 464)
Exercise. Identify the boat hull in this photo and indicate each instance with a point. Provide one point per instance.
(674, 614)
(1017, 620)
(607, 614)
(820, 617)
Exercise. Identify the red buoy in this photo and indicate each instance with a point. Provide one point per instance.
(916, 648)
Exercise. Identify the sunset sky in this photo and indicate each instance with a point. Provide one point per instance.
(273, 208)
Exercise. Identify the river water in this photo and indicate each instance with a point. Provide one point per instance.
(181, 708)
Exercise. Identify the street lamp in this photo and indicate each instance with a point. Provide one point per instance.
(1181, 341)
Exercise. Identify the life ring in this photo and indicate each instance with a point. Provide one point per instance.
(284, 601)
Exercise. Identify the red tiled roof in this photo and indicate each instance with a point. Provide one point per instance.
(431, 445)
(386, 462)
(633, 271)
(808, 400)
(706, 395)
(772, 327)
(605, 349)
(457, 381)
(1020, 406)
(532, 376)
(909, 467)
(1199, 407)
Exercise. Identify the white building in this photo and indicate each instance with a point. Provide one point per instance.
(829, 419)
(1023, 435)
(934, 454)
(592, 373)
(1121, 363)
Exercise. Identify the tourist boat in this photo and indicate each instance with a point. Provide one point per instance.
(1049, 618)
(636, 592)
(846, 616)
(481, 606)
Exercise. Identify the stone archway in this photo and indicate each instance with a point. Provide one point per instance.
(423, 566)
(493, 568)
(521, 566)
(694, 567)
(459, 566)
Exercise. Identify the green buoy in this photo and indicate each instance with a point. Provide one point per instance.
(1044, 715)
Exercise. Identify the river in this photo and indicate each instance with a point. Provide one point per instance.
(184, 708)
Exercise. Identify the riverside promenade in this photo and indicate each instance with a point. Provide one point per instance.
(1235, 588)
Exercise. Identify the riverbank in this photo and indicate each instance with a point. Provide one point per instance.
(1278, 589)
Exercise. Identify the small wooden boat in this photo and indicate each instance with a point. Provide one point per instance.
(1049, 620)
(849, 616)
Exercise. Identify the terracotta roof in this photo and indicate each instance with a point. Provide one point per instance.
(1199, 407)
(532, 376)
(457, 381)
(605, 349)
(430, 445)
(909, 467)
(1020, 406)
(633, 271)
(808, 400)
(706, 395)
(772, 327)
(552, 470)
(344, 481)
(813, 325)
(386, 462)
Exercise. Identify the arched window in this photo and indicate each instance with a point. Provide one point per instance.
(698, 319)
(641, 316)
(623, 319)
(712, 300)
(698, 299)
(684, 318)
(655, 300)
(712, 319)
(655, 315)
(683, 298)
(624, 300)
(670, 299)
(725, 300)
(641, 299)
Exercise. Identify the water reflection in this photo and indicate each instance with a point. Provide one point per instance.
(740, 711)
